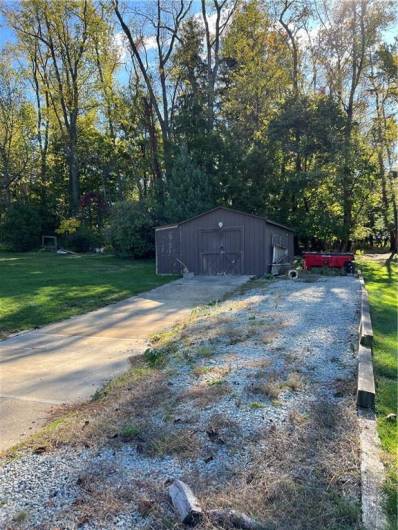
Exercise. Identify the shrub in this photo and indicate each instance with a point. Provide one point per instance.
(21, 226)
(130, 230)
(83, 240)
(78, 237)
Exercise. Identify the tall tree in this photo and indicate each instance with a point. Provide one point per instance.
(221, 12)
(349, 30)
(61, 32)
(16, 131)
(165, 19)
(383, 81)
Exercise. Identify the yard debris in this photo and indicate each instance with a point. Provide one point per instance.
(191, 513)
(234, 519)
(185, 503)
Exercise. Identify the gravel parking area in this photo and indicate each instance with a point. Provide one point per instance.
(251, 403)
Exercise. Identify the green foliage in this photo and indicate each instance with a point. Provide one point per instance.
(21, 226)
(130, 230)
(68, 226)
(201, 127)
(83, 239)
(190, 189)
(155, 357)
(129, 432)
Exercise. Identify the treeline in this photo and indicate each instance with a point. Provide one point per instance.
(118, 116)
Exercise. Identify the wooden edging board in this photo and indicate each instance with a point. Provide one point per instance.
(372, 469)
(366, 385)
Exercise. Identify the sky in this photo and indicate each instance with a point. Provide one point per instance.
(7, 35)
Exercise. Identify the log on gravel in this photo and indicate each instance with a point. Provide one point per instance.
(233, 519)
(185, 503)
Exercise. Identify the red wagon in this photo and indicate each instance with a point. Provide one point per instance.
(333, 260)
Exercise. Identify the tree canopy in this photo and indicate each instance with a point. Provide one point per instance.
(118, 113)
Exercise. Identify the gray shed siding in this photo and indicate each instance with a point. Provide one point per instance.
(280, 237)
(167, 243)
(252, 240)
(243, 245)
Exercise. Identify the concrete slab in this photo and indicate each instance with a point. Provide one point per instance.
(372, 473)
(19, 420)
(67, 361)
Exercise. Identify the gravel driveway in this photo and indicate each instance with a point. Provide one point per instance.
(261, 389)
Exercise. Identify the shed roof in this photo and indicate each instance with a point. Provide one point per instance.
(228, 210)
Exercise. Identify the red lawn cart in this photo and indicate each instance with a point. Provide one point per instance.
(333, 260)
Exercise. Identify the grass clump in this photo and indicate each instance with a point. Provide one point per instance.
(182, 443)
(294, 381)
(256, 405)
(204, 351)
(270, 389)
(216, 382)
(198, 371)
(129, 432)
(20, 517)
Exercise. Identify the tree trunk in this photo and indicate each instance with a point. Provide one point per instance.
(74, 177)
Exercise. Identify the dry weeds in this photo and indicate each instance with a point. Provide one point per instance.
(203, 394)
(306, 477)
(181, 442)
(294, 381)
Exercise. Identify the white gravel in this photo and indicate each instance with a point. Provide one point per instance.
(315, 327)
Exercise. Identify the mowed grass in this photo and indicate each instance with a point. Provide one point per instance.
(40, 288)
(381, 282)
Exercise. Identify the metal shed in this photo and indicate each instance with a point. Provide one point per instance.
(222, 241)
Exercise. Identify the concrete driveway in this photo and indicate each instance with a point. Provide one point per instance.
(67, 361)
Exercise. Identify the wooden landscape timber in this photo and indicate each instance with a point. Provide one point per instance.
(366, 330)
(366, 384)
(366, 389)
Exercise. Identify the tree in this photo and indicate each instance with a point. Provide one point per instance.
(221, 11)
(349, 31)
(384, 90)
(165, 23)
(16, 132)
(60, 32)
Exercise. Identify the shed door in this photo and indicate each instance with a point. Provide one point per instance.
(221, 251)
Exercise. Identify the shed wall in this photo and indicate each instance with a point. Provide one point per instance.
(243, 245)
(167, 243)
(253, 260)
(278, 236)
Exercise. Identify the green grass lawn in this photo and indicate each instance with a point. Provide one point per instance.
(39, 288)
(381, 283)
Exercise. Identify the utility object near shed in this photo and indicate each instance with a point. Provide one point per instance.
(223, 241)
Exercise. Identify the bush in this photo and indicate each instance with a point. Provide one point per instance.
(21, 227)
(130, 230)
(83, 239)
